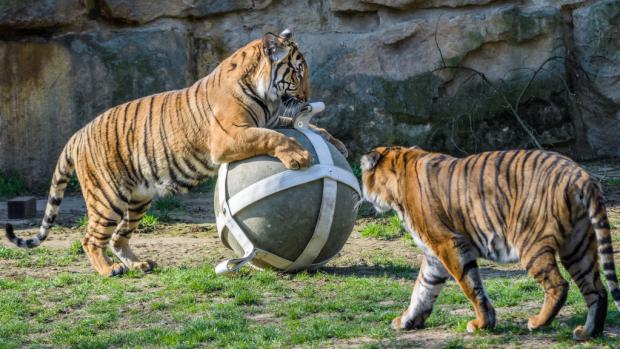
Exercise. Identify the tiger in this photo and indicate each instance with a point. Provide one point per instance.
(526, 206)
(169, 142)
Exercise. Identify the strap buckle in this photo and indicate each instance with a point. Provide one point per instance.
(302, 119)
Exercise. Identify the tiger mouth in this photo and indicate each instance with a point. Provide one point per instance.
(291, 100)
(292, 105)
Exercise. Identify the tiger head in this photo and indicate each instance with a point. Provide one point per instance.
(289, 71)
(381, 171)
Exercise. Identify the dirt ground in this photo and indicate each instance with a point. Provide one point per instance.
(192, 234)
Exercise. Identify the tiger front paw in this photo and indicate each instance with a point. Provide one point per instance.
(580, 334)
(146, 266)
(476, 324)
(401, 323)
(397, 323)
(293, 156)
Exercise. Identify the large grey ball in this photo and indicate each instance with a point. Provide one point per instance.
(284, 223)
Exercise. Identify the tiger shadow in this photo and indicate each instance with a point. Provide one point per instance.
(408, 272)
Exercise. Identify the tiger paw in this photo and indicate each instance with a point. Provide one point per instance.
(472, 326)
(534, 322)
(146, 266)
(397, 324)
(475, 325)
(580, 334)
(402, 323)
(293, 156)
(117, 269)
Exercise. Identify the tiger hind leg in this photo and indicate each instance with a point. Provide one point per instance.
(471, 284)
(119, 244)
(581, 261)
(100, 229)
(542, 266)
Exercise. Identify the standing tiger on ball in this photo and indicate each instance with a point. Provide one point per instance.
(169, 142)
(506, 206)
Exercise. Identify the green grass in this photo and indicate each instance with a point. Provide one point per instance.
(162, 207)
(149, 221)
(76, 248)
(385, 228)
(38, 257)
(357, 170)
(168, 203)
(73, 185)
(613, 181)
(82, 222)
(206, 186)
(190, 306)
(10, 184)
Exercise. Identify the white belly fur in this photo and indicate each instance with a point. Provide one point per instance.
(503, 252)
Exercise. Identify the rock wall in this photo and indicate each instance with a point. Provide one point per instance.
(452, 75)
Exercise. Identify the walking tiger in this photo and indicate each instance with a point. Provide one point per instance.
(507, 206)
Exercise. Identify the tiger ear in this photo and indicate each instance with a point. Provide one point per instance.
(287, 34)
(370, 160)
(274, 49)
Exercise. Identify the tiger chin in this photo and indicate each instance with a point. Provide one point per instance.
(528, 206)
(169, 142)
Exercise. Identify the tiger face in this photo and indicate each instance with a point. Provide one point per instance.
(289, 73)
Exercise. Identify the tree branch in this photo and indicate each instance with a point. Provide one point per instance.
(514, 110)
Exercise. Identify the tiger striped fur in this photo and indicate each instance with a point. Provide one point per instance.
(523, 205)
(169, 142)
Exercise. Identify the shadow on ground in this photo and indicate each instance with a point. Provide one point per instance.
(409, 273)
(391, 271)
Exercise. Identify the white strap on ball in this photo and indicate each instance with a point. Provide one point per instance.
(226, 219)
(328, 204)
(285, 180)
